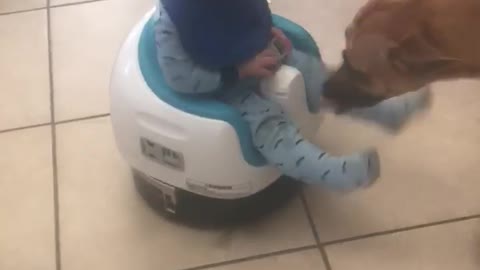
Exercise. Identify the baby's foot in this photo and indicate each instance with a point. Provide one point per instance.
(360, 170)
(393, 114)
(373, 167)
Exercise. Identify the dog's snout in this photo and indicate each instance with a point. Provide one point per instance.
(335, 90)
(345, 95)
(335, 86)
(332, 97)
(329, 90)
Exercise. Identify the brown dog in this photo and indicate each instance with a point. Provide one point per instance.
(397, 46)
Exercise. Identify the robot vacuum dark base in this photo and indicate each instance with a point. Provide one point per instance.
(199, 211)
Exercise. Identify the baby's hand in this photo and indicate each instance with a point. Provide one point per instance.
(283, 39)
(263, 65)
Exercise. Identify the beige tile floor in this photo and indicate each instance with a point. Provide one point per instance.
(68, 202)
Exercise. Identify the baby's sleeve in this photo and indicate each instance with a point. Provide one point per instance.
(180, 72)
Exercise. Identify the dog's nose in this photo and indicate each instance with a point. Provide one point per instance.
(329, 90)
(345, 96)
(332, 94)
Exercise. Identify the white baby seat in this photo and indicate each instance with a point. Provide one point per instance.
(195, 145)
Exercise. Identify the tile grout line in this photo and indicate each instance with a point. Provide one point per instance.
(21, 11)
(56, 123)
(76, 3)
(322, 246)
(253, 258)
(56, 205)
(51, 6)
(82, 118)
(329, 243)
(319, 244)
(24, 127)
(401, 230)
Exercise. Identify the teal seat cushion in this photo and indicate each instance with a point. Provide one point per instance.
(206, 106)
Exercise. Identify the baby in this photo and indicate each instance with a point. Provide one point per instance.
(223, 48)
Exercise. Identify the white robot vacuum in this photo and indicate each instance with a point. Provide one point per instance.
(193, 157)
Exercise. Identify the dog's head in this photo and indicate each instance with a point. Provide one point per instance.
(390, 50)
